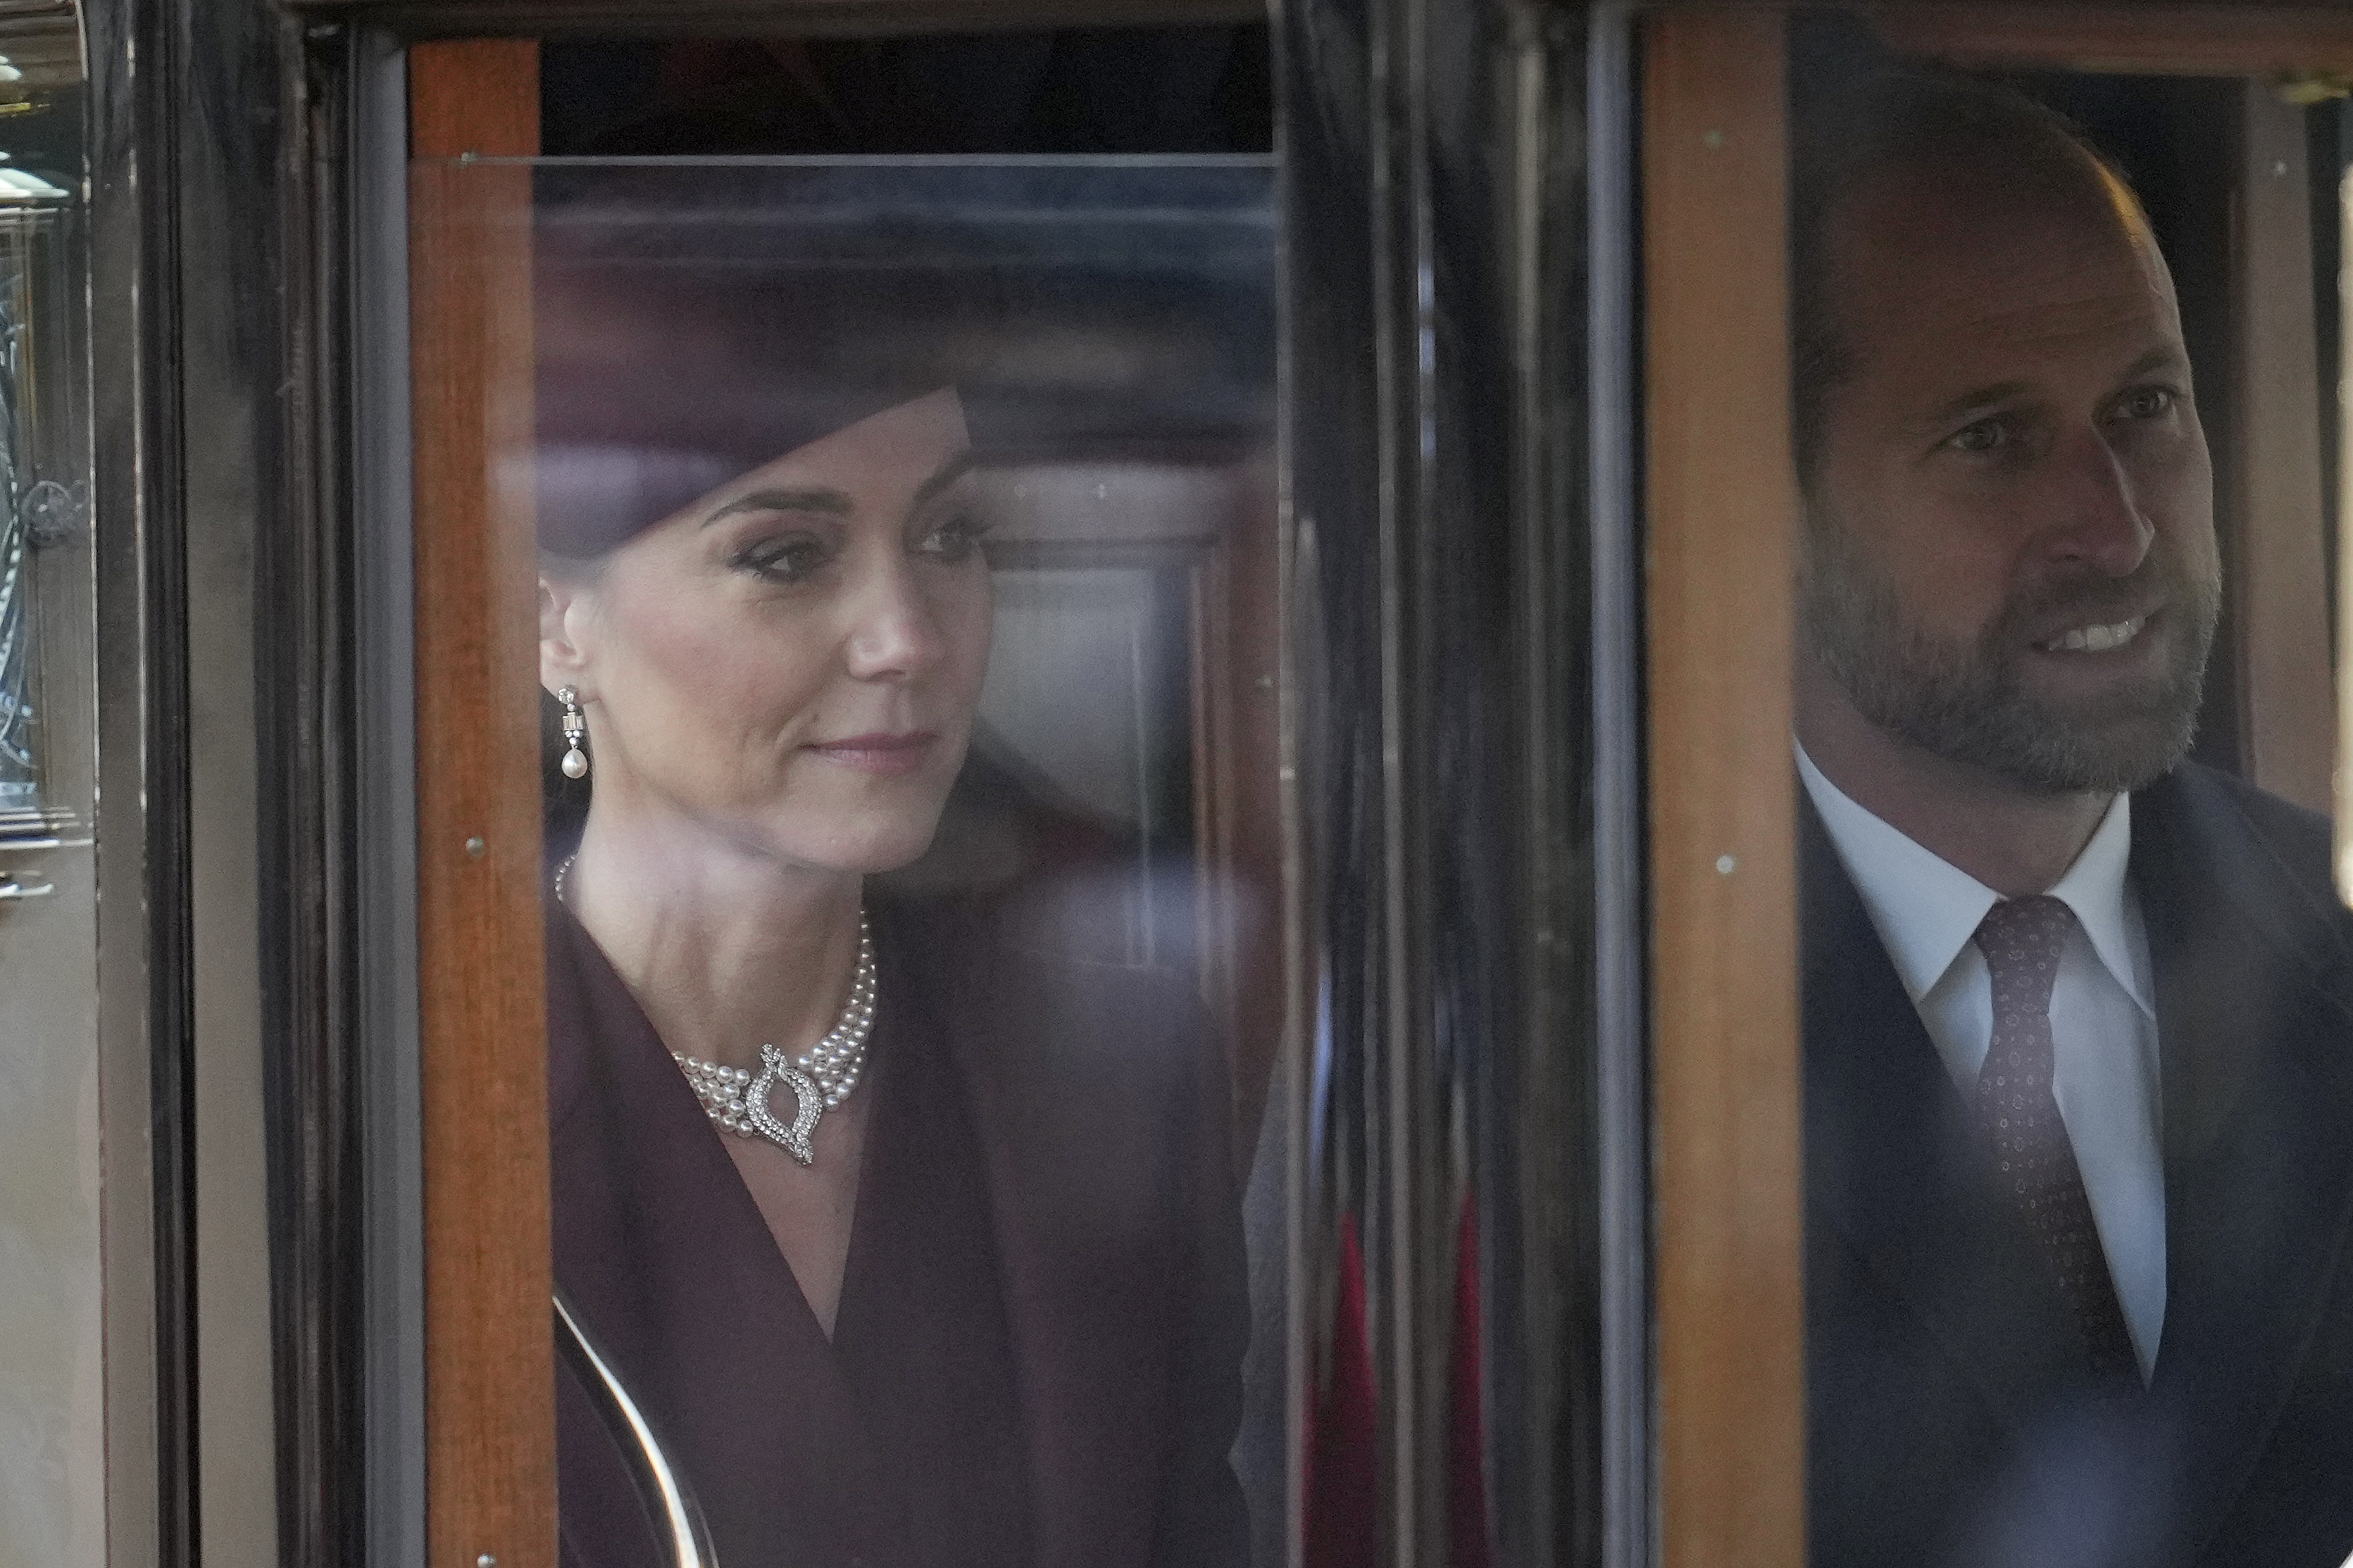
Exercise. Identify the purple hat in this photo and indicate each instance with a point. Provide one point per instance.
(659, 381)
(694, 323)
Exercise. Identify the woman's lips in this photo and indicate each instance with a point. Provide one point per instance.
(879, 752)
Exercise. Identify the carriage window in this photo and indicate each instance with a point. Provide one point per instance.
(905, 537)
(2076, 988)
(53, 1500)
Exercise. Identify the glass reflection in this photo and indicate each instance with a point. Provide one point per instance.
(53, 1482)
(893, 523)
(2076, 1005)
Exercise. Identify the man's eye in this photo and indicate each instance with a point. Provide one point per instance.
(1984, 436)
(2146, 403)
(953, 541)
(786, 560)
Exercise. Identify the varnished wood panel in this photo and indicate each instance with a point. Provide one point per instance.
(489, 1441)
(2280, 579)
(2154, 39)
(737, 18)
(480, 96)
(1721, 512)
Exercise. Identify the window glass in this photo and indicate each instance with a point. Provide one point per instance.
(2078, 995)
(905, 536)
(52, 1458)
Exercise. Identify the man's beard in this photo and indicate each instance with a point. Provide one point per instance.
(1970, 703)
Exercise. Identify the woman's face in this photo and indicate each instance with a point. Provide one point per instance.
(792, 661)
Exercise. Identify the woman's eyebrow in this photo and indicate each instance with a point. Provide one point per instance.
(833, 503)
(949, 473)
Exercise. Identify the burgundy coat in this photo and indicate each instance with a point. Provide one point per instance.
(1043, 1314)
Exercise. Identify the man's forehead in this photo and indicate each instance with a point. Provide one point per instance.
(1953, 277)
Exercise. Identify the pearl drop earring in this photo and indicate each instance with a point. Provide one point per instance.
(576, 732)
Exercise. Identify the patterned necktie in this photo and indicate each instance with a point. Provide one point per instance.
(2021, 940)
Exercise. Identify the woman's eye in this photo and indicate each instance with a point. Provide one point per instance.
(1985, 436)
(953, 541)
(789, 559)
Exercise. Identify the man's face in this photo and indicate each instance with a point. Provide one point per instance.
(2010, 557)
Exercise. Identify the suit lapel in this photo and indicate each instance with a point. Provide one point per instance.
(1895, 1167)
(2259, 1169)
(668, 1261)
(1087, 1292)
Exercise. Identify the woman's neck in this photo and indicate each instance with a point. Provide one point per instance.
(725, 948)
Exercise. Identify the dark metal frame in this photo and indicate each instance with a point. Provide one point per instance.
(307, 653)
(218, 289)
(260, 346)
(1468, 747)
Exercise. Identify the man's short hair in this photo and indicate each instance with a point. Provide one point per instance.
(1903, 120)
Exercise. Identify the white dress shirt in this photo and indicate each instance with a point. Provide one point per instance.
(2103, 1016)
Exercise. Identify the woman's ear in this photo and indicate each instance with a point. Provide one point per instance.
(562, 660)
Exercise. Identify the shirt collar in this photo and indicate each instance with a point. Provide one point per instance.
(1927, 908)
(2094, 888)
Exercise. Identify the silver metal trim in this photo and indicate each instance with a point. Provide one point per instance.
(384, 829)
(136, 881)
(1629, 1502)
(670, 1500)
(2345, 550)
(222, 400)
(884, 161)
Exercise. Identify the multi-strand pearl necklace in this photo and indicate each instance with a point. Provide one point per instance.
(820, 1077)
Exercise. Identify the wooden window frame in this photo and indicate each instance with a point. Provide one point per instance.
(1722, 510)
(490, 1388)
(490, 1442)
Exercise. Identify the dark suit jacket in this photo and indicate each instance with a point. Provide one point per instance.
(1952, 1418)
(1092, 1113)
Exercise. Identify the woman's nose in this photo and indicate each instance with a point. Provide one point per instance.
(894, 634)
(2099, 520)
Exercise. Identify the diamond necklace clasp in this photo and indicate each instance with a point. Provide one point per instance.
(808, 1102)
(821, 1079)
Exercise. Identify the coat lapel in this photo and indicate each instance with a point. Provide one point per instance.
(1087, 1273)
(1895, 1167)
(2253, 971)
(667, 1259)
